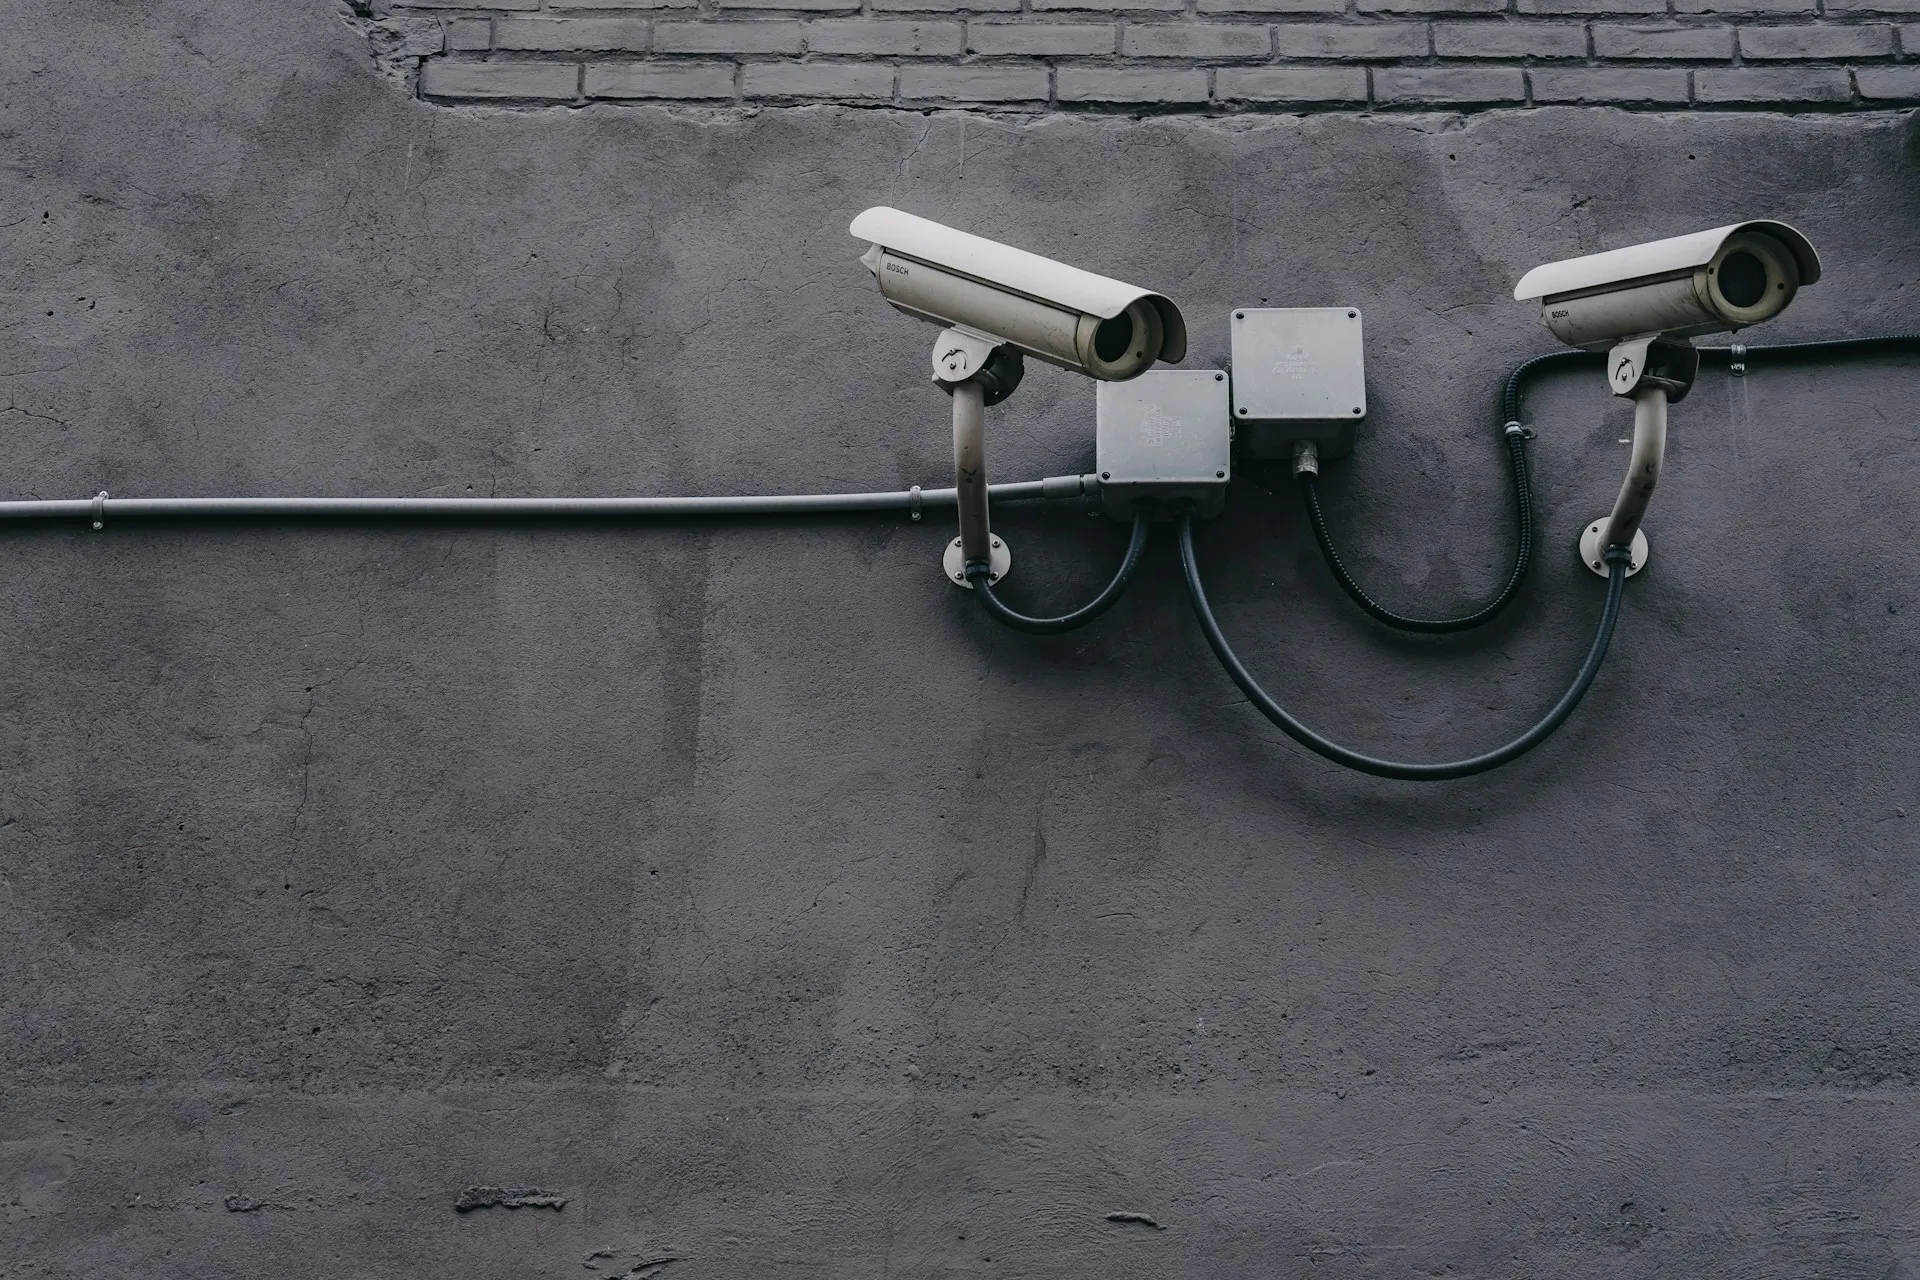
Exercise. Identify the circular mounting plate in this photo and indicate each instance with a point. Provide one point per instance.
(1590, 549)
(956, 564)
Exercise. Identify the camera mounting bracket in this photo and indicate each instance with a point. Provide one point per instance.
(1653, 361)
(1653, 371)
(976, 370)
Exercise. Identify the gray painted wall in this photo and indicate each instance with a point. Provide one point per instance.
(743, 884)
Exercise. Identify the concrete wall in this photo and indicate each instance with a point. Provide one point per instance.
(746, 888)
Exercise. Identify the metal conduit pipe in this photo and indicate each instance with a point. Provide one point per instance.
(99, 508)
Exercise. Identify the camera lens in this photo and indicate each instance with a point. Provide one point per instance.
(1113, 337)
(1743, 279)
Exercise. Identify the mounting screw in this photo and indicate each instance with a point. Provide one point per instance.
(1219, 475)
(996, 542)
(1356, 408)
(1243, 412)
(1106, 475)
(1239, 315)
(1353, 315)
(1219, 377)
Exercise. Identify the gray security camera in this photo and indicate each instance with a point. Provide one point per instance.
(1640, 305)
(998, 303)
(1057, 313)
(1707, 282)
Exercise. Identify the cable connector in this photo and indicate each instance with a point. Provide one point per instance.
(1069, 486)
(1306, 458)
(1737, 354)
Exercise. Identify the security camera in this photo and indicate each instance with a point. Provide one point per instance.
(1707, 282)
(997, 303)
(1046, 309)
(1640, 305)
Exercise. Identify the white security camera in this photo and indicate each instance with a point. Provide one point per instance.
(1640, 305)
(1046, 309)
(997, 303)
(1708, 282)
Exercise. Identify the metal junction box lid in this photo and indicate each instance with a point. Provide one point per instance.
(1163, 443)
(1299, 373)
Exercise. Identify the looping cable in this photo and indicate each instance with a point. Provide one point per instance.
(1522, 553)
(979, 575)
(1617, 559)
(1515, 435)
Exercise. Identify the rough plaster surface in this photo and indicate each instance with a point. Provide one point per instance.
(745, 888)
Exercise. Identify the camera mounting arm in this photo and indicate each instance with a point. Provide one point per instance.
(1653, 372)
(975, 370)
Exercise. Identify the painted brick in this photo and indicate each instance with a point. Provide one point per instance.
(571, 33)
(1873, 6)
(1272, 6)
(974, 84)
(1291, 84)
(703, 80)
(1889, 84)
(469, 33)
(1432, 6)
(1771, 84)
(564, 5)
(1373, 40)
(411, 37)
(1872, 40)
(1037, 39)
(1401, 85)
(946, 6)
(1557, 7)
(1662, 43)
(816, 80)
(864, 35)
(468, 4)
(727, 37)
(1195, 40)
(1608, 84)
(1910, 40)
(1743, 6)
(548, 81)
(811, 6)
(1108, 6)
(1131, 84)
(1509, 40)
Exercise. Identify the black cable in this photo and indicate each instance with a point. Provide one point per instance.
(1617, 560)
(978, 574)
(1522, 552)
(1516, 437)
(1795, 351)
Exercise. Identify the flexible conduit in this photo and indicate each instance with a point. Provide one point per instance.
(1515, 436)
(1617, 559)
(980, 576)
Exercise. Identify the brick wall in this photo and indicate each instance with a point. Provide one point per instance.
(1184, 55)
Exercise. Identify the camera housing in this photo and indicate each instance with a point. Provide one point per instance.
(1708, 282)
(1103, 328)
